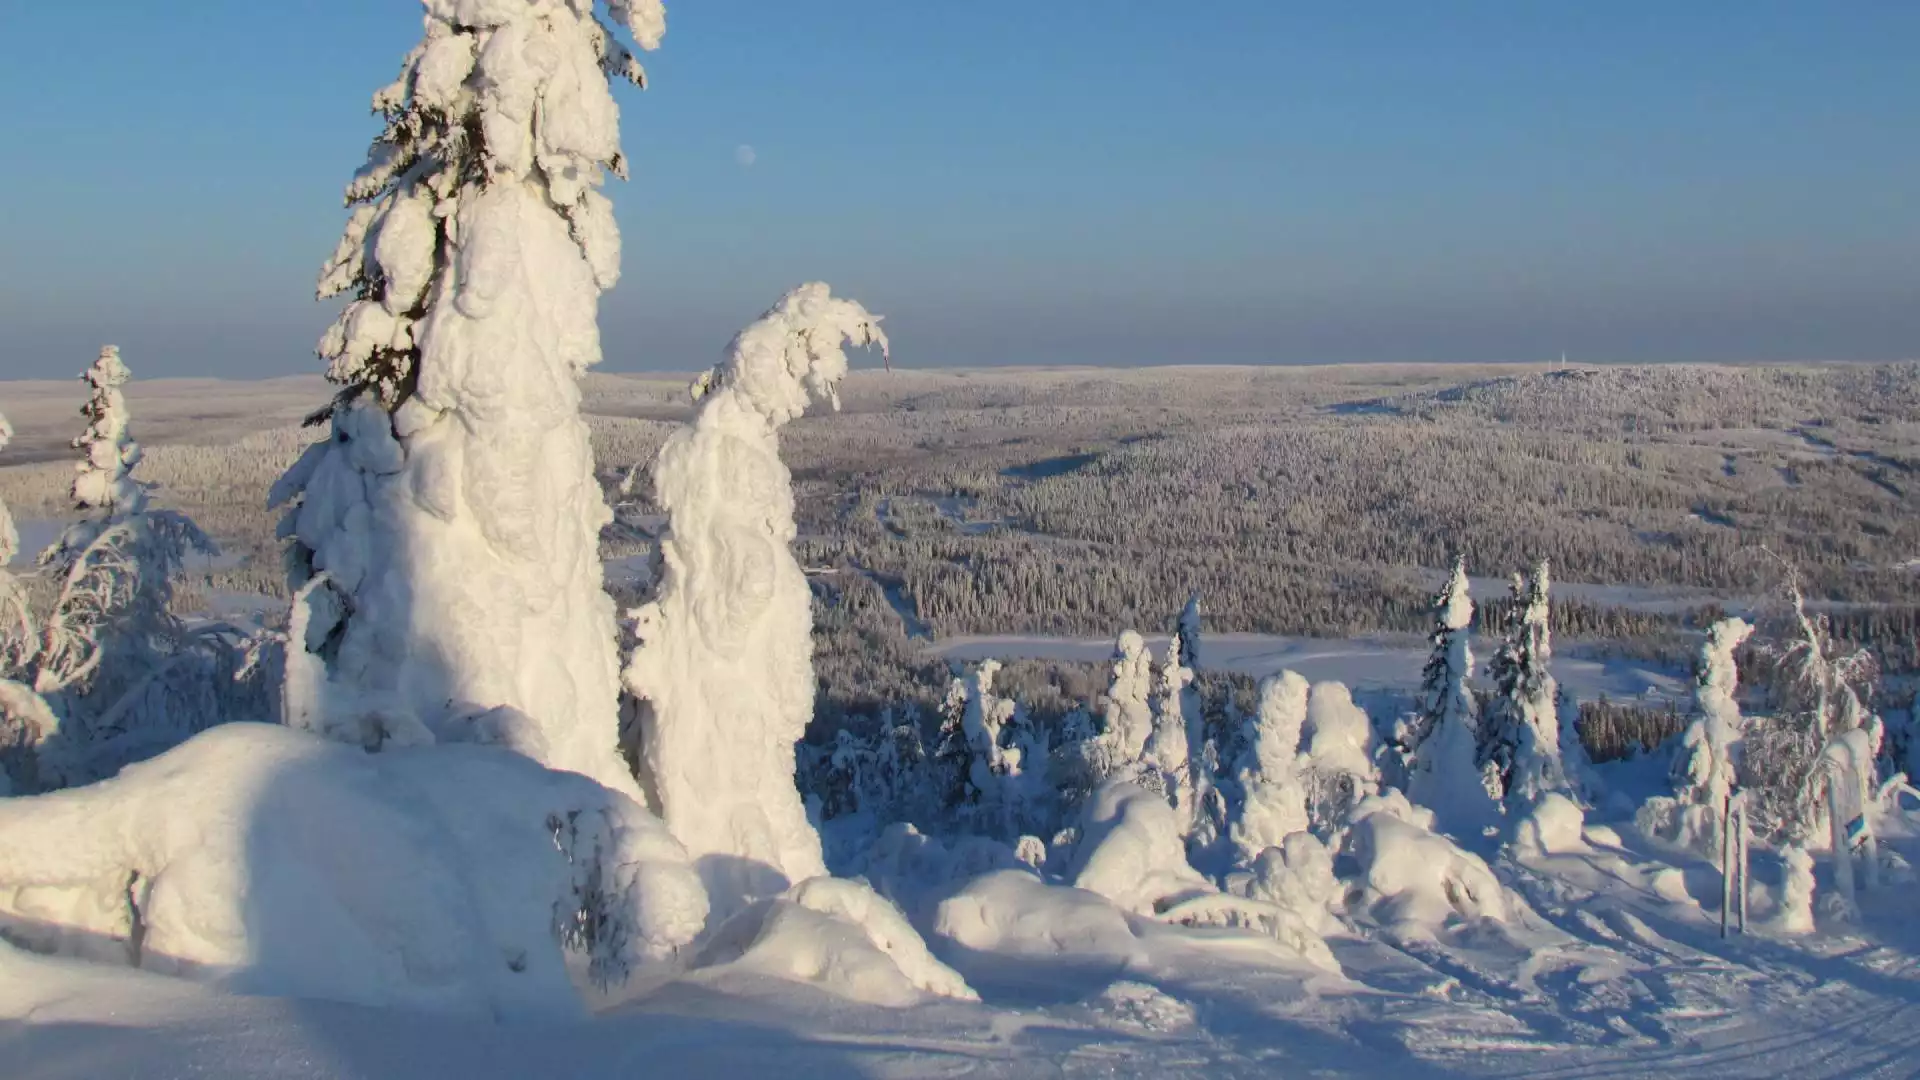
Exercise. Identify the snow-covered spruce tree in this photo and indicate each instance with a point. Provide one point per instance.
(1520, 733)
(1439, 740)
(725, 660)
(1168, 754)
(109, 658)
(445, 536)
(1339, 757)
(1274, 795)
(1128, 712)
(1707, 759)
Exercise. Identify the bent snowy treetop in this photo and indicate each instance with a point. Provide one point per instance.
(725, 660)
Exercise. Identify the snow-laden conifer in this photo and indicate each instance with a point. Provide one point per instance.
(445, 536)
(1274, 795)
(1521, 731)
(1707, 760)
(1168, 753)
(108, 647)
(1129, 709)
(1440, 738)
(725, 655)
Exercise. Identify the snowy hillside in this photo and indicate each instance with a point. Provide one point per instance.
(501, 719)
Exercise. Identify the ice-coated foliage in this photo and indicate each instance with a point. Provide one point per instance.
(444, 536)
(1439, 740)
(1814, 692)
(1521, 729)
(1274, 794)
(724, 660)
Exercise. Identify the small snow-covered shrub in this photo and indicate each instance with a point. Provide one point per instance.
(1412, 879)
(841, 936)
(1132, 852)
(1297, 876)
(1340, 765)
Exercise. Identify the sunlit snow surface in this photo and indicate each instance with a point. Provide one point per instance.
(1599, 975)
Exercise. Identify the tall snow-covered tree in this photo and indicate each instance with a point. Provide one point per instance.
(1707, 760)
(1274, 795)
(1521, 731)
(995, 766)
(1168, 752)
(725, 655)
(445, 536)
(1129, 707)
(1440, 738)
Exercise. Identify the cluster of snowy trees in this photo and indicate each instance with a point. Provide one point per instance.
(1503, 755)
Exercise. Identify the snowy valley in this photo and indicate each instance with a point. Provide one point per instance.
(471, 714)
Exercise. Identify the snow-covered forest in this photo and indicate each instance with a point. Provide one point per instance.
(471, 714)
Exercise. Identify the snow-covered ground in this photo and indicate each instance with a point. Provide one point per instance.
(1609, 968)
(1384, 662)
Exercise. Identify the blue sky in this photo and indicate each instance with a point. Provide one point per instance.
(1035, 181)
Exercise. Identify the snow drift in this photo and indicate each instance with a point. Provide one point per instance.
(841, 936)
(454, 878)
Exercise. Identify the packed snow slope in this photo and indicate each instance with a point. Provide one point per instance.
(1608, 967)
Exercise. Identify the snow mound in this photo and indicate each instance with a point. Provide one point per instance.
(452, 879)
(1131, 851)
(1144, 1007)
(1553, 827)
(1014, 913)
(1414, 880)
(841, 936)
